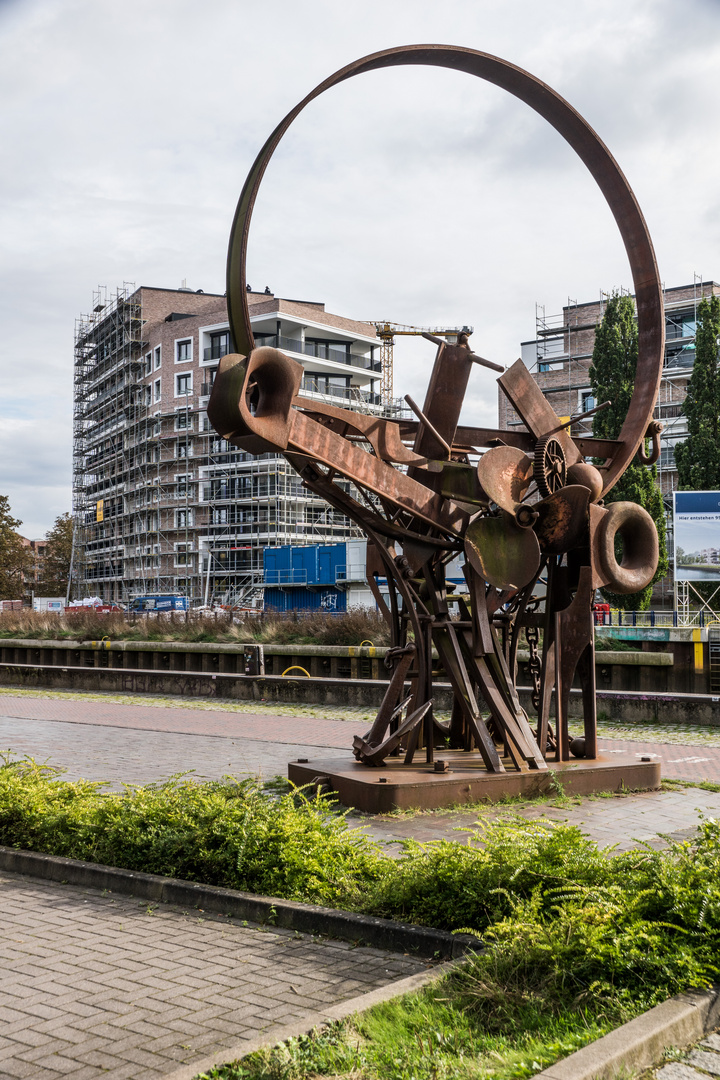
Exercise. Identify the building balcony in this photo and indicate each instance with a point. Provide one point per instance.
(318, 350)
(216, 352)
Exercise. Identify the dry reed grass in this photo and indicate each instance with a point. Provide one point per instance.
(313, 628)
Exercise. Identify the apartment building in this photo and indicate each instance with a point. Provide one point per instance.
(161, 503)
(560, 354)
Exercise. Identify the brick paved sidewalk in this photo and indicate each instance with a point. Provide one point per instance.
(622, 821)
(104, 752)
(685, 763)
(95, 985)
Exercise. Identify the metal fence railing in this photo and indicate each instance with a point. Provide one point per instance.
(618, 617)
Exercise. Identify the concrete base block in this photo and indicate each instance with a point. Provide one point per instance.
(418, 786)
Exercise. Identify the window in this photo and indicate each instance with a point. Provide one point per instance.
(184, 350)
(667, 457)
(148, 395)
(148, 363)
(680, 356)
(157, 389)
(158, 357)
(183, 448)
(210, 374)
(182, 420)
(182, 555)
(587, 401)
(339, 351)
(182, 485)
(320, 383)
(183, 384)
(219, 347)
(680, 324)
(183, 519)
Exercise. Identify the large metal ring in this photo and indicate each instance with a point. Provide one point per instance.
(588, 146)
(640, 547)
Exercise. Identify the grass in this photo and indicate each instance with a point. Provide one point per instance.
(436, 1033)
(317, 628)
(670, 784)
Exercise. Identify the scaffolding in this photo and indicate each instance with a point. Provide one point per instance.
(108, 343)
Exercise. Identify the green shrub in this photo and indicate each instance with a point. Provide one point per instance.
(221, 832)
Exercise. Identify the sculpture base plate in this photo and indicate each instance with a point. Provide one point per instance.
(418, 786)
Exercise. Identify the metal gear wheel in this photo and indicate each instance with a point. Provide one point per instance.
(550, 466)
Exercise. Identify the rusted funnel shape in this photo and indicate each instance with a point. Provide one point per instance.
(252, 397)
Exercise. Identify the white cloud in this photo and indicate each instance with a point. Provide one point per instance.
(418, 195)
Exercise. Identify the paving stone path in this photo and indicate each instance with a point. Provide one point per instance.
(95, 985)
(289, 729)
(623, 822)
(700, 1062)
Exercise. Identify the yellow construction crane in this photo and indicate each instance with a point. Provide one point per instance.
(388, 331)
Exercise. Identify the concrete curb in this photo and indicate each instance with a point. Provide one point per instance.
(288, 914)
(640, 1043)
(313, 1020)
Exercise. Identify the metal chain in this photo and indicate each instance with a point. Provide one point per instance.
(532, 636)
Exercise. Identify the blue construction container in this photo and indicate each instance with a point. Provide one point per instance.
(311, 564)
(304, 578)
(301, 599)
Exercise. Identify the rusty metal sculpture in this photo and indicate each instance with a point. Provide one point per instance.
(531, 505)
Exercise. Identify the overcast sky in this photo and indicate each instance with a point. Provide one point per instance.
(416, 195)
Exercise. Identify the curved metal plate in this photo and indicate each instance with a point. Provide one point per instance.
(501, 552)
(505, 474)
(563, 520)
(587, 145)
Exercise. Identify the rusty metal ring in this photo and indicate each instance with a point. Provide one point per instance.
(587, 145)
(640, 547)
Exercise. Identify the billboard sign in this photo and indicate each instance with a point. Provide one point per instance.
(696, 517)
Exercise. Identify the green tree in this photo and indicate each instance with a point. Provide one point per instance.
(612, 377)
(698, 457)
(16, 560)
(58, 553)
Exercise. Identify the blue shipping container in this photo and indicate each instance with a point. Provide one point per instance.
(302, 599)
(309, 564)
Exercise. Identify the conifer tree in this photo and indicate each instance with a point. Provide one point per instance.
(698, 457)
(612, 377)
